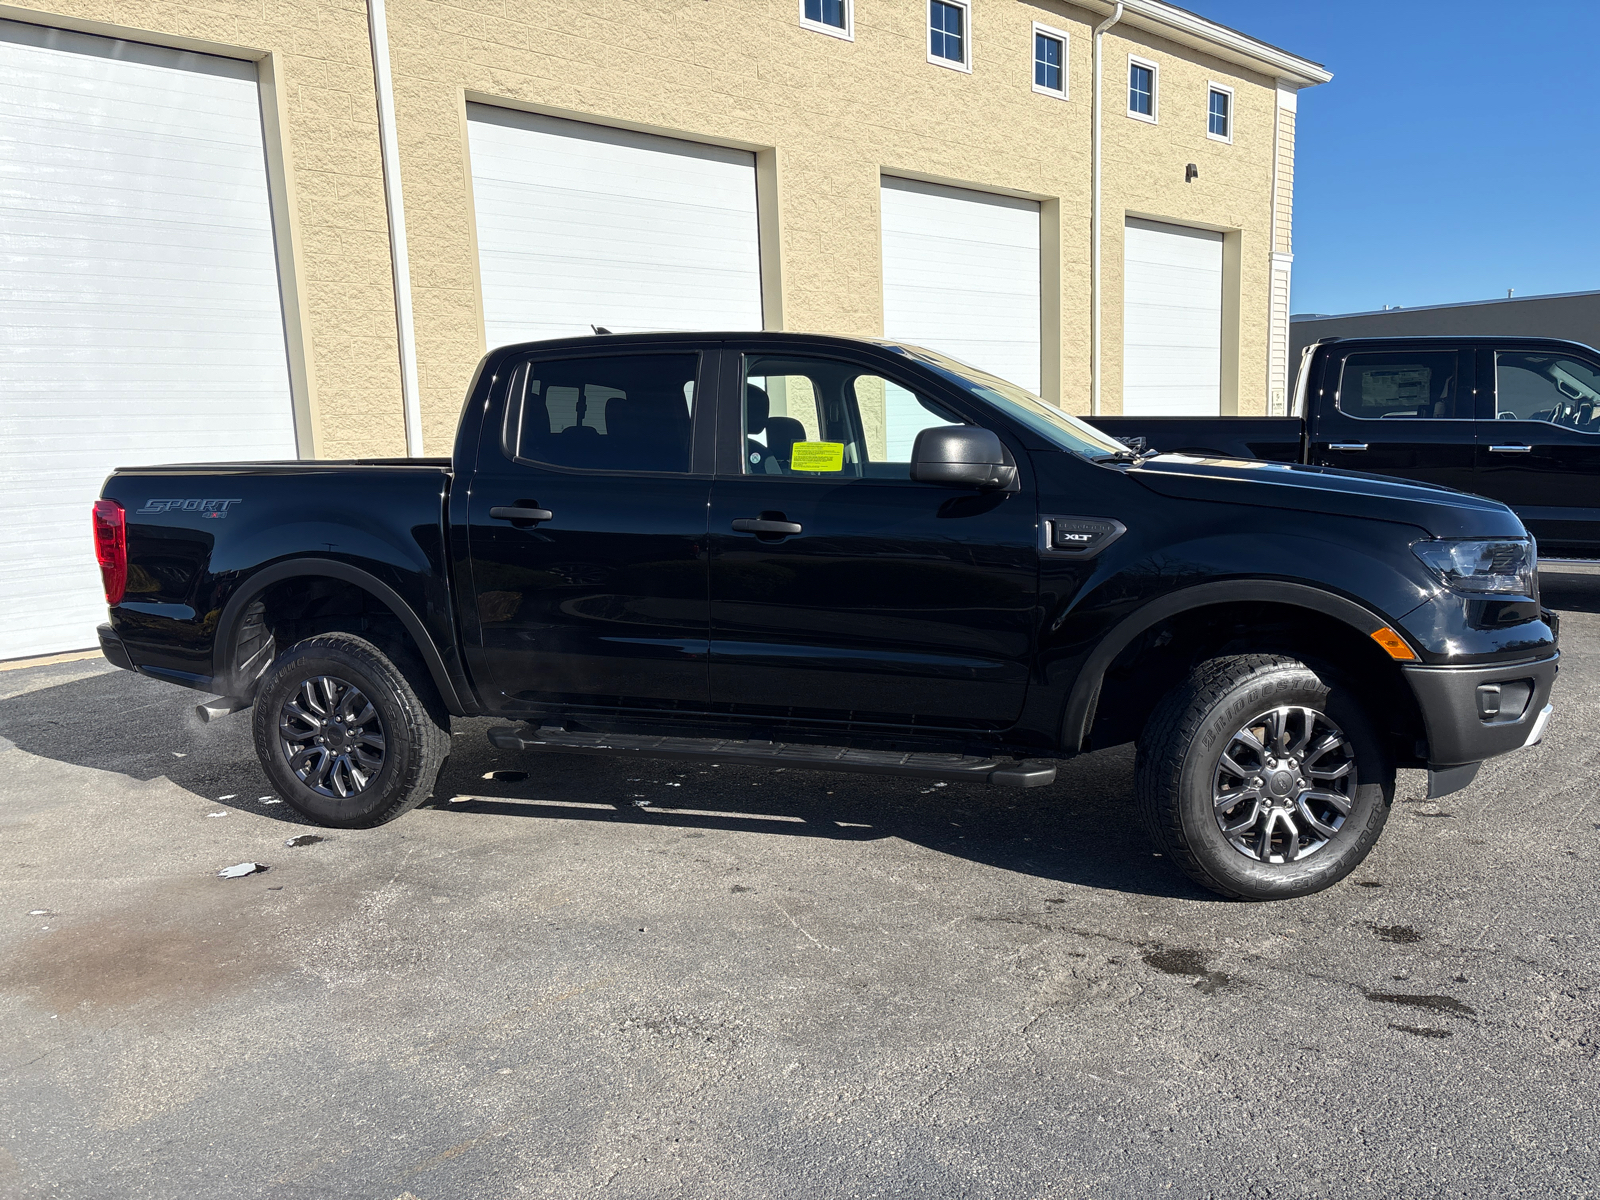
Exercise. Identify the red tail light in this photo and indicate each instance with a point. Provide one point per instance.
(111, 548)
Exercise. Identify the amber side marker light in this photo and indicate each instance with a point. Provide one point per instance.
(1394, 645)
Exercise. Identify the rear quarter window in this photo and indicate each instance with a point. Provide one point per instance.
(1395, 385)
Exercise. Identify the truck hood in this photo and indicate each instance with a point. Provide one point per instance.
(1442, 511)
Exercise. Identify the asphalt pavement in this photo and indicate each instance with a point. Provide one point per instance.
(575, 976)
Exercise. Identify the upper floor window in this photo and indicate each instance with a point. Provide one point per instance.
(1219, 113)
(1049, 61)
(949, 35)
(1143, 79)
(828, 16)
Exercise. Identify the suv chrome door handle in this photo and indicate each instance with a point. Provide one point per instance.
(762, 525)
(1510, 449)
(512, 512)
(1347, 445)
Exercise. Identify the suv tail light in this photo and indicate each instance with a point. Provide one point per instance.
(111, 548)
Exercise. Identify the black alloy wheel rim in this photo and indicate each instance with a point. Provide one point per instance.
(332, 737)
(1285, 784)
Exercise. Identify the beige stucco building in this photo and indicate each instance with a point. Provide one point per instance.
(296, 225)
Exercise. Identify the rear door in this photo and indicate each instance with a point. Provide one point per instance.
(586, 532)
(842, 590)
(1539, 447)
(1398, 411)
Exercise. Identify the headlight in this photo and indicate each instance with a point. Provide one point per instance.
(1482, 567)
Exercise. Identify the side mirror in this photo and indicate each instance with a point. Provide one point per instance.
(962, 456)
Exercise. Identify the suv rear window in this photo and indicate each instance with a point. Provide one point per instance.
(614, 413)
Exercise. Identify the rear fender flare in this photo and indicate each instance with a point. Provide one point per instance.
(233, 613)
(1084, 699)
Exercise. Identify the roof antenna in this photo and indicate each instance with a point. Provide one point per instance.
(599, 329)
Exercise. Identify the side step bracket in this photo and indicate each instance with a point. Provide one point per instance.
(1005, 772)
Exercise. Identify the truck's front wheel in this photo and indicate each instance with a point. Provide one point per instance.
(347, 736)
(1262, 780)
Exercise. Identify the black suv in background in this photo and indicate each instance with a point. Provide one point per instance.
(847, 555)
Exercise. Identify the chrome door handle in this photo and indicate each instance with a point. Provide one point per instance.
(1347, 445)
(512, 512)
(761, 525)
(1511, 449)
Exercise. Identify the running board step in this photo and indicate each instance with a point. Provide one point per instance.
(1005, 772)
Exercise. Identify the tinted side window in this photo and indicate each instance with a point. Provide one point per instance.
(621, 413)
(1397, 384)
(827, 418)
(891, 418)
(1547, 387)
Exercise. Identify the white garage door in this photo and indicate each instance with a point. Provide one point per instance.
(961, 275)
(582, 225)
(140, 317)
(1171, 321)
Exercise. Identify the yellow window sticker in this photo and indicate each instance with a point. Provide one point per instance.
(817, 456)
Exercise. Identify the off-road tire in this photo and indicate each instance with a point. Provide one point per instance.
(415, 728)
(1184, 740)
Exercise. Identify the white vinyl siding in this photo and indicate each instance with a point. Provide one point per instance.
(961, 275)
(141, 320)
(582, 225)
(1171, 320)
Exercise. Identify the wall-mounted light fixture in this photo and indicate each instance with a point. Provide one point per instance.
(1191, 173)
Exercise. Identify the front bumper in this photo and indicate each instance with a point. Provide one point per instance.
(1474, 713)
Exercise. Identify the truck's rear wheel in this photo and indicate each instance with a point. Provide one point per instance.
(348, 736)
(1261, 780)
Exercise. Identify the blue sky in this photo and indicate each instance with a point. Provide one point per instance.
(1455, 154)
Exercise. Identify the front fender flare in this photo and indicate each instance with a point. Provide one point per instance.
(1084, 698)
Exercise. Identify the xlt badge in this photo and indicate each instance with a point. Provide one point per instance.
(1081, 537)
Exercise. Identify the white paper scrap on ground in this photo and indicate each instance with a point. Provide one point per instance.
(240, 870)
(221, 814)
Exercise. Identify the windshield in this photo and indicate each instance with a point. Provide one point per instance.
(1049, 422)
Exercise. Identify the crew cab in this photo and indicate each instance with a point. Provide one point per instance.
(1515, 419)
(845, 555)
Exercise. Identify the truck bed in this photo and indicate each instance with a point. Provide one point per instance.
(201, 534)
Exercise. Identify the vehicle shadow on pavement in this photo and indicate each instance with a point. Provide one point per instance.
(1082, 830)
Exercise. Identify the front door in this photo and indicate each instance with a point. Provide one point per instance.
(842, 590)
(587, 528)
(1539, 445)
(1406, 413)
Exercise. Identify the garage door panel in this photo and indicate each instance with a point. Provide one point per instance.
(579, 224)
(961, 275)
(1172, 320)
(140, 313)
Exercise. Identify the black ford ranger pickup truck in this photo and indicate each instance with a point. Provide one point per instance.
(1512, 418)
(846, 555)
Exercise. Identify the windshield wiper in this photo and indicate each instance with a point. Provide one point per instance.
(1129, 456)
